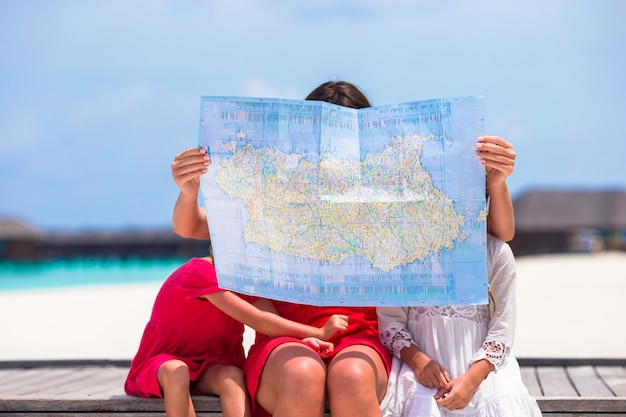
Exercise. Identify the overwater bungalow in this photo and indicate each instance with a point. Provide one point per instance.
(561, 221)
(20, 242)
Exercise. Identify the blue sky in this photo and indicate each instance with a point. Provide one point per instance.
(96, 97)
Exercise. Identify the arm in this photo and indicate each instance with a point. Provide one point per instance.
(189, 220)
(499, 338)
(270, 323)
(498, 157)
(392, 322)
(502, 278)
(335, 324)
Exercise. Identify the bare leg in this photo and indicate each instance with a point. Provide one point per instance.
(173, 377)
(293, 382)
(357, 381)
(228, 382)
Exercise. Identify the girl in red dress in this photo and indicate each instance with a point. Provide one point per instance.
(193, 341)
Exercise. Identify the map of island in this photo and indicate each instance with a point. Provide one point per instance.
(338, 209)
(315, 203)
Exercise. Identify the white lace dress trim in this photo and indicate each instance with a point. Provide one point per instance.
(397, 338)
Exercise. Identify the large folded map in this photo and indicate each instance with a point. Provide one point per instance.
(319, 204)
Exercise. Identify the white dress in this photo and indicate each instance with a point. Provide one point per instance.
(455, 337)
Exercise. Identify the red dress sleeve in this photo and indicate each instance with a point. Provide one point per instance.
(197, 278)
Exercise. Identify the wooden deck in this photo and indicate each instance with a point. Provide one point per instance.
(562, 387)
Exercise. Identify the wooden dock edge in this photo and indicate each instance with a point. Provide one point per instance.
(209, 406)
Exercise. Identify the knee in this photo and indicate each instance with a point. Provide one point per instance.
(292, 370)
(173, 372)
(304, 371)
(293, 382)
(349, 373)
(358, 376)
(296, 388)
(232, 374)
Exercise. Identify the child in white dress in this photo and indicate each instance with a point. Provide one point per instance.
(456, 360)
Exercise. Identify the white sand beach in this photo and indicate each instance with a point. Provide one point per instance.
(569, 306)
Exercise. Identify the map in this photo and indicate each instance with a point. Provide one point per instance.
(319, 204)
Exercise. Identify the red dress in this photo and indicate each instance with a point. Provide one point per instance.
(186, 327)
(362, 330)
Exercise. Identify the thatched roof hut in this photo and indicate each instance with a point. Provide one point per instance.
(14, 229)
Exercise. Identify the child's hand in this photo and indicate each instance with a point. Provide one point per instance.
(319, 345)
(498, 157)
(457, 394)
(337, 323)
(187, 168)
(432, 375)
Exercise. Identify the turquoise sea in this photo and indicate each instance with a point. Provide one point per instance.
(83, 272)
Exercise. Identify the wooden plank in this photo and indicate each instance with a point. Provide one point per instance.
(101, 414)
(38, 380)
(97, 390)
(108, 389)
(11, 377)
(529, 378)
(79, 382)
(108, 385)
(21, 377)
(581, 414)
(123, 404)
(583, 405)
(70, 363)
(84, 381)
(50, 386)
(587, 382)
(555, 382)
(570, 361)
(614, 377)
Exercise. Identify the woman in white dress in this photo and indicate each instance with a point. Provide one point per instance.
(456, 360)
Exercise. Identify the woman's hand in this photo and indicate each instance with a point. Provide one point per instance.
(187, 168)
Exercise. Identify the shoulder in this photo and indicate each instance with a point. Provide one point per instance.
(499, 253)
(496, 247)
(194, 265)
(196, 272)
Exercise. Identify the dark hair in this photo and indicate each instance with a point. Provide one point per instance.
(340, 92)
